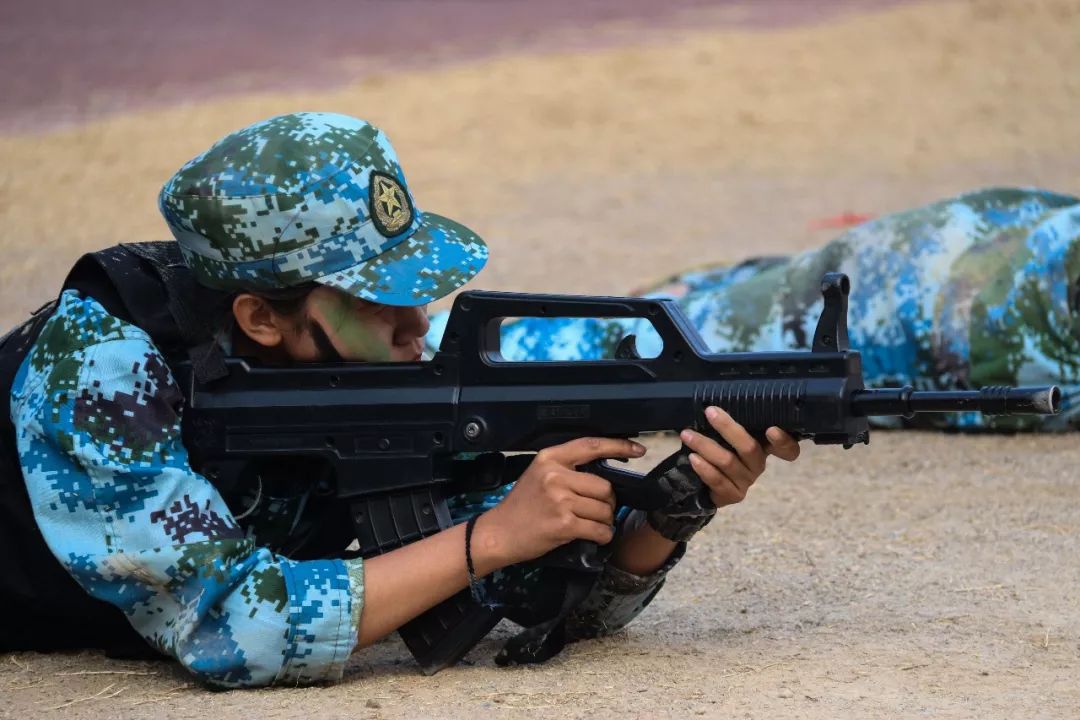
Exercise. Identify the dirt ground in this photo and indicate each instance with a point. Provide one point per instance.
(923, 576)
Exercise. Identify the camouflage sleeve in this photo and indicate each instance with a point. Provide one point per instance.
(97, 420)
(618, 596)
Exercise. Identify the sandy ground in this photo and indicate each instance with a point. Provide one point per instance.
(922, 576)
(926, 575)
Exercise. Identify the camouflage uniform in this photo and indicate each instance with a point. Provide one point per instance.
(97, 412)
(97, 417)
(978, 290)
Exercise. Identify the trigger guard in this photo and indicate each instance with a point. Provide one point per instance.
(632, 489)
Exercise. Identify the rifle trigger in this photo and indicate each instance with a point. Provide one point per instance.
(631, 489)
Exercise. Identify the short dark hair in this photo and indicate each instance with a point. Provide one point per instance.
(284, 301)
(287, 300)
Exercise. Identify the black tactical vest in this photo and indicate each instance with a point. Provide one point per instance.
(41, 605)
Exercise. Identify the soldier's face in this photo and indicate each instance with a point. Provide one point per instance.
(337, 326)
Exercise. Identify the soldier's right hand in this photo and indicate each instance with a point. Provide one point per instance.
(553, 503)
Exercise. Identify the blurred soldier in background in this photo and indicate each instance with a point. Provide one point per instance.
(982, 289)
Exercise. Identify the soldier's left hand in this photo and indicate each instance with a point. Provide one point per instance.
(728, 474)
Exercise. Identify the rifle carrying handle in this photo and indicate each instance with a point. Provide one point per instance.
(475, 319)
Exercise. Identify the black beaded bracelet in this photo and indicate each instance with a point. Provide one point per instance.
(474, 584)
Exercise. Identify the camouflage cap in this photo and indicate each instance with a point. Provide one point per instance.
(314, 197)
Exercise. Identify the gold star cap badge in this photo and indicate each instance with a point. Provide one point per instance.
(391, 208)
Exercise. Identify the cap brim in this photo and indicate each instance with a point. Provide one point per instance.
(438, 258)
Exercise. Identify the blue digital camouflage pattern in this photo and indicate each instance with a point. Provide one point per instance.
(97, 421)
(314, 197)
(982, 289)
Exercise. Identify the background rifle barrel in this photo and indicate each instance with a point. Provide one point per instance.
(991, 400)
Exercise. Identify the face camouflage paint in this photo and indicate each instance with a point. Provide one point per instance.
(327, 351)
(342, 329)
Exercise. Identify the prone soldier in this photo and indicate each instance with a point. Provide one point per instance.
(305, 245)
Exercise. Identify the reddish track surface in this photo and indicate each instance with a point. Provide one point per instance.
(69, 60)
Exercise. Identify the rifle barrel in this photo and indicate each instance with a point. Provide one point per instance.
(991, 400)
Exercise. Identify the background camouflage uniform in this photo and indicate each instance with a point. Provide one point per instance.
(978, 290)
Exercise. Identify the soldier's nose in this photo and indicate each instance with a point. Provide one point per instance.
(412, 323)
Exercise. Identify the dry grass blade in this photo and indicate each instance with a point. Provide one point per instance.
(109, 672)
(547, 699)
(749, 669)
(22, 666)
(100, 695)
(169, 694)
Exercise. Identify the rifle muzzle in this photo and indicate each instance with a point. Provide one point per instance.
(991, 400)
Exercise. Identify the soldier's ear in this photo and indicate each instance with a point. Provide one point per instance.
(257, 320)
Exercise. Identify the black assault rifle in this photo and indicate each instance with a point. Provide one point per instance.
(387, 438)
